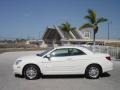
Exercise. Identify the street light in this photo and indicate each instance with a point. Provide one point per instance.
(39, 35)
(109, 29)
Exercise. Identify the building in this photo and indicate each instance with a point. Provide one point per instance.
(55, 36)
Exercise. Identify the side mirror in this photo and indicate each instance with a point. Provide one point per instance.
(48, 56)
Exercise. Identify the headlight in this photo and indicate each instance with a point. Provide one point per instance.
(18, 61)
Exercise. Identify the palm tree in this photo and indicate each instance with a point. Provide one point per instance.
(93, 22)
(67, 28)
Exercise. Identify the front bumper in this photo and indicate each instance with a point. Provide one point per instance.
(17, 69)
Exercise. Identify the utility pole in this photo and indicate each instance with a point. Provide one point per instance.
(39, 36)
(109, 30)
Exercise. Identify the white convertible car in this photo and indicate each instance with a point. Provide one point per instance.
(63, 61)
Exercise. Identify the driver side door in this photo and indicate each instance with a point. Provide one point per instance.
(58, 63)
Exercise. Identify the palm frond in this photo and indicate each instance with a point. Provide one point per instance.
(100, 20)
(73, 28)
(92, 14)
(86, 25)
(89, 18)
(66, 27)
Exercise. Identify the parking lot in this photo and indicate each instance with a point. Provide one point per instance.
(109, 81)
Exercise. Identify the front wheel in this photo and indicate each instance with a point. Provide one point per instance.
(93, 72)
(31, 72)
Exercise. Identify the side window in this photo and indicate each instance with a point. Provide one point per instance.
(74, 51)
(60, 52)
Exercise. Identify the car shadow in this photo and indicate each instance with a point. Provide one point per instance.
(19, 76)
(62, 76)
(65, 76)
(105, 75)
(71, 76)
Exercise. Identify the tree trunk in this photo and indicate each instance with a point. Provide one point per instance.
(94, 41)
(95, 31)
(94, 38)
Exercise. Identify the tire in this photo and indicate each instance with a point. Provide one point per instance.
(31, 72)
(93, 71)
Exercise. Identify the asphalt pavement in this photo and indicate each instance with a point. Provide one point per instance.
(108, 81)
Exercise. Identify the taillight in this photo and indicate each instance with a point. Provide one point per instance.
(108, 58)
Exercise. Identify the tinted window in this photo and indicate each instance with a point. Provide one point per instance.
(44, 52)
(60, 52)
(74, 51)
(66, 52)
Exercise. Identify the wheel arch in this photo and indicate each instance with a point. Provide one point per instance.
(30, 64)
(101, 69)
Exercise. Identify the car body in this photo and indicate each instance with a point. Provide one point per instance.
(63, 61)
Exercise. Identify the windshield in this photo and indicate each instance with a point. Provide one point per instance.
(44, 52)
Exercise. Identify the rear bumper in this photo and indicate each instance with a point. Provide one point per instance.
(108, 67)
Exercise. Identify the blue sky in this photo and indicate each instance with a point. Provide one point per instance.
(28, 18)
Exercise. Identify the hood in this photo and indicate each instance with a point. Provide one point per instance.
(30, 57)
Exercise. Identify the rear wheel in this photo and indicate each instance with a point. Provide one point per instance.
(31, 72)
(93, 72)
